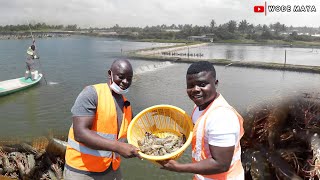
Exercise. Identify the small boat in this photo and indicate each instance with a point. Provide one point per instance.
(18, 84)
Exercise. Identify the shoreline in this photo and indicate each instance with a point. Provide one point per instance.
(154, 55)
(154, 51)
(27, 35)
(63, 33)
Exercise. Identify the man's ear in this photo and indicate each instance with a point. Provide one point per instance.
(109, 73)
(216, 83)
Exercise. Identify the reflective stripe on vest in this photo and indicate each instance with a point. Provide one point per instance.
(200, 146)
(85, 150)
(83, 158)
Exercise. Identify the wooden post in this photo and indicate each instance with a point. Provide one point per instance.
(285, 57)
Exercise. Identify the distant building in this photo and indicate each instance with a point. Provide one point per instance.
(206, 38)
(304, 34)
(196, 38)
(108, 33)
(172, 30)
(315, 35)
(135, 33)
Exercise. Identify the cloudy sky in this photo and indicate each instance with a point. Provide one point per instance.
(107, 13)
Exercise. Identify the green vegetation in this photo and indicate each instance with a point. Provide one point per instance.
(41, 27)
(230, 32)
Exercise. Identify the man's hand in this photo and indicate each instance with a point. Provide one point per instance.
(128, 151)
(170, 165)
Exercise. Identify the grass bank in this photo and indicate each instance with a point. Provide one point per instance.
(153, 54)
(300, 44)
(274, 42)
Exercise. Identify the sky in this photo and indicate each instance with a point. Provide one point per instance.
(140, 13)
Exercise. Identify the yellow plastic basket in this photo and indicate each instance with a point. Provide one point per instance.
(161, 120)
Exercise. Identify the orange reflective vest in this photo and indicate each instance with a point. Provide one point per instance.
(83, 158)
(200, 145)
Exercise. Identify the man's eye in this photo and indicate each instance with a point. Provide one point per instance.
(203, 84)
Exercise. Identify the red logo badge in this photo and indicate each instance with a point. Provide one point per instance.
(258, 9)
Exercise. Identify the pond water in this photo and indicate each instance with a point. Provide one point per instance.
(70, 64)
(275, 54)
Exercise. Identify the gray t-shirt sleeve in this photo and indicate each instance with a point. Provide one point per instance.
(86, 102)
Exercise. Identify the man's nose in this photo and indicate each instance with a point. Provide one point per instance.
(125, 81)
(196, 88)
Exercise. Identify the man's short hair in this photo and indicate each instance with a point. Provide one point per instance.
(201, 66)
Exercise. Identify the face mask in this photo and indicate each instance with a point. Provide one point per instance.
(116, 88)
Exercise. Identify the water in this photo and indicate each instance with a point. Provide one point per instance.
(72, 63)
(68, 64)
(275, 54)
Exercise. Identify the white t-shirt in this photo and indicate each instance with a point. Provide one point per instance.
(222, 127)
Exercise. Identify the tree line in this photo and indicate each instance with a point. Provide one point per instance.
(37, 27)
(227, 31)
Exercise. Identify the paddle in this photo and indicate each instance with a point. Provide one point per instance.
(34, 42)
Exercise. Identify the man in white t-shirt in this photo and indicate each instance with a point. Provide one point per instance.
(216, 151)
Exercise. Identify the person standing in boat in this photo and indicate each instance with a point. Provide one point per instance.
(30, 63)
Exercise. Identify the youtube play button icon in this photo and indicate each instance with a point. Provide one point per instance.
(258, 9)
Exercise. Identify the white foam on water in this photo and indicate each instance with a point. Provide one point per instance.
(53, 83)
(152, 67)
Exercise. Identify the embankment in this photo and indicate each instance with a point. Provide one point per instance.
(155, 55)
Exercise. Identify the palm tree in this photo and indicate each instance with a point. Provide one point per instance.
(243, 26)
(212, 25)
(232, 26)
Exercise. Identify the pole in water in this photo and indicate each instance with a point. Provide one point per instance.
(30, 30)
(43, 73)
(33, 40)
(285, 57)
